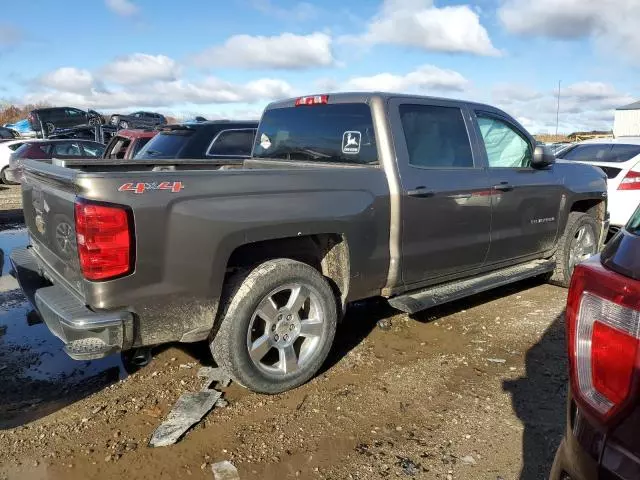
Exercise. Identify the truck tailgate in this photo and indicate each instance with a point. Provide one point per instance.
(48, 198)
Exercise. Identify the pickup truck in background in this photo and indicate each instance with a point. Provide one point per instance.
(346, 197)
(127, 143)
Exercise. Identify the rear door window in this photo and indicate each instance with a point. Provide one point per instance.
(34, 150)
(623, 153)
(436, 136)
(232, 143)
(334, 133)
(67, 149)
(595, 152)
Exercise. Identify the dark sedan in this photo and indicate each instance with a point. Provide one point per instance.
(602, 439)
(137, 120)
(55, 118)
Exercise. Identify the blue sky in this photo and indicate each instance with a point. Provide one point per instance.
(231, 58)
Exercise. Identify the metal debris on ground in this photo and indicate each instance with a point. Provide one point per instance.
(192, 407)
(385, 324)
(214, 375)
(496, 360)
(188, 410)
(225, 471)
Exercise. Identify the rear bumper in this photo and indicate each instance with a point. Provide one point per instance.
(622, 204)
(12, 175)
(86, 334)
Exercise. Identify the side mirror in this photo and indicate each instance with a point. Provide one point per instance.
(543, 157)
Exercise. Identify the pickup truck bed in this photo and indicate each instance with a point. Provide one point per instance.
(262, 259)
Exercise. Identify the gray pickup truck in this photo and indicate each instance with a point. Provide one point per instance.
(346, 197)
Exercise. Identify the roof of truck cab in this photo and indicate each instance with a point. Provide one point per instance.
(364, 97)
(133, 133)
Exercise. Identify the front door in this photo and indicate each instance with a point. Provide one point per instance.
(446, 208)
(525, 201)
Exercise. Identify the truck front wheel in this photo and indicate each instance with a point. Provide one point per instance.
(278, 325)
(579, 241)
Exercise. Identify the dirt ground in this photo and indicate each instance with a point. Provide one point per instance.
(471, 390)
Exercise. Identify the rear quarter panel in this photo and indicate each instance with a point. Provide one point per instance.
(185, 239)
(581, 182)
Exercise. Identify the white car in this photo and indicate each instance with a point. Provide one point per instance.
(620, 160)
(6, 149)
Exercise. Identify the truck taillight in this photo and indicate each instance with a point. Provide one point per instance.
(104, 240)
(312, 100)
(631, 181)
(603, 325)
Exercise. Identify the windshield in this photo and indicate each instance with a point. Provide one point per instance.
(341, 133)
(165, 145)
(634, 224)
(601, 152)
(141, 142)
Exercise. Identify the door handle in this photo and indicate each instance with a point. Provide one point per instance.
(460, 196)
(503, 187)
(420, 192)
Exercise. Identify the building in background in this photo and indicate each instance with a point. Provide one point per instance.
(627, 121)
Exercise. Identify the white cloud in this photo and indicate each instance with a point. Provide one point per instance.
(612, 24)
(125, 8)
(141, 68)
(424, 79)
(585, 105)
(284, 51)
(210, 90)
(423, 25)
(68, 79)
(507, 93)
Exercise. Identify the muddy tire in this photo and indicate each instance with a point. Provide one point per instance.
(277, 326)
(49, 128)
(579, 241)
(123, 125)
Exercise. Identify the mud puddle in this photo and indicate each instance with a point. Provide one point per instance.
(36, 376)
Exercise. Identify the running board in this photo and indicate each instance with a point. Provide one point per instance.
(430, 297)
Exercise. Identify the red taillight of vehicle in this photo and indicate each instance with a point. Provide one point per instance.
(312, 100)
(631, 181)
(104, 240)
(603, 325)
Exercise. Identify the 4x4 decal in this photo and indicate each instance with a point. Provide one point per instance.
(174, 187)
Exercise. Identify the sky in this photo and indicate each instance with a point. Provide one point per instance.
(230, 58)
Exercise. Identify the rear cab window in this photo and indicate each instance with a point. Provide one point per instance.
(325, 133)
(166, 144)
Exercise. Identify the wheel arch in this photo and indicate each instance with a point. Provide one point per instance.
(328, 253)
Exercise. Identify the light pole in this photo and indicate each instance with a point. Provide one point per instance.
(558, 109)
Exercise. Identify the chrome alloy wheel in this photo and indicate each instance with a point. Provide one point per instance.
(286, 329)
(583, 246)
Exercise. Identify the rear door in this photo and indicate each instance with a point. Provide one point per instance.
(525, 201)
(446, 209)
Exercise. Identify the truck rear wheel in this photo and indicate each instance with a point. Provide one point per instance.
(579, 241)
(278, 325)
